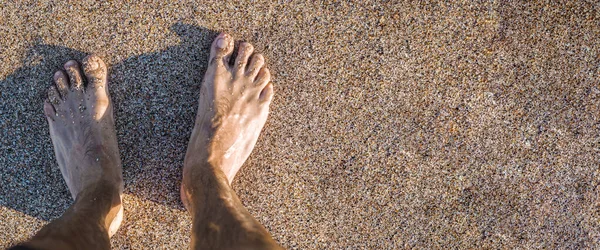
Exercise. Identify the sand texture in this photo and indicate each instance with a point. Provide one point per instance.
(394, 124)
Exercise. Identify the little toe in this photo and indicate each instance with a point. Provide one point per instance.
(74, 72)
(263, 77)
(49, 110)
(221, 50)
(256, 63)
(61, 83)
(266, 95)
(244, 52)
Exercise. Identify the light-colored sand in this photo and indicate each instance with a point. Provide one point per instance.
(394, 125)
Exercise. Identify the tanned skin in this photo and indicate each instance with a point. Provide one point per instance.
(233, 108)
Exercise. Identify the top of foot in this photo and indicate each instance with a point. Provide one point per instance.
(80, 115)
(233, 107)
(81, 121)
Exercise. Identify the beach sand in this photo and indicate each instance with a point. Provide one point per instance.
(394, 124)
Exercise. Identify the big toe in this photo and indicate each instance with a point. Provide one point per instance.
(96, 72)
(221, 50)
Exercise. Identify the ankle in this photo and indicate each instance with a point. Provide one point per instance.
(196, 170)
(101, 200)
(202, 183)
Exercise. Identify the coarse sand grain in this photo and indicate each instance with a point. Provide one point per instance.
(395, 124)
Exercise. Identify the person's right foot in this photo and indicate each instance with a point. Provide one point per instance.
(233, 108)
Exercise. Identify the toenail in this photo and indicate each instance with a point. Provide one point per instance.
(58, 75)
(222, 43)
(70, 64)
(93, 65)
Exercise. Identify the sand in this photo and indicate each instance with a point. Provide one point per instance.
(394, 125)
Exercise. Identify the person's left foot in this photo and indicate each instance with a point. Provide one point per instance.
(82, 128)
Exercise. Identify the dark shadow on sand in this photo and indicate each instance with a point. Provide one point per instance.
(155, 97)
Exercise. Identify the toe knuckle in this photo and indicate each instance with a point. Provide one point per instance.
(102, 102)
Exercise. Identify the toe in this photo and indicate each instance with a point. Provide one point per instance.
(95, 70)
(94, 67)
(72, 68)
(263, 77)
(221, 50)
(266, 95)
(49, 110)
(256, 63)
(244, 52)
(61, 83)
(53, 96)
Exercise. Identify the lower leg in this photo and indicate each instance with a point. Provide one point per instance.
(86, 224)
(232, 110)
(220, 221)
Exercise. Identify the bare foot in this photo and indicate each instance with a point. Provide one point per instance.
(80, 115)
(233, 108)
